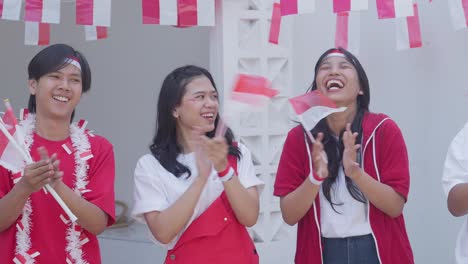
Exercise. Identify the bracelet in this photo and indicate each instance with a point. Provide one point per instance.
(315, 180)
(228, 173)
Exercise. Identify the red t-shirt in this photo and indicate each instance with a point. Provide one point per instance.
(48, 232)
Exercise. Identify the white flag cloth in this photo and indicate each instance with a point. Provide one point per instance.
(181, 13)
(11, 9)
(459, 13)
(10, 157)
(313, 107)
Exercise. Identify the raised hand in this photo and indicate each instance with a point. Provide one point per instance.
(319, 158)
(36, 175)
(216, 150)
(351, 167)
(57, 176)
(204, 164)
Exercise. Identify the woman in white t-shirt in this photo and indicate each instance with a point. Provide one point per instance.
(196, 191)
(455, 183)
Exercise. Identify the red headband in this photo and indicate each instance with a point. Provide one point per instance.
(335, 53)
(73, 61)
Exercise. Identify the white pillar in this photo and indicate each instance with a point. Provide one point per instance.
(239, 44)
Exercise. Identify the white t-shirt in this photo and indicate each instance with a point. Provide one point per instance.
(157, 189)
(352, 219)
(456, 172)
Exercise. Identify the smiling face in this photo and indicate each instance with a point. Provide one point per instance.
(198, 107)
(337, 78)
(57, 93)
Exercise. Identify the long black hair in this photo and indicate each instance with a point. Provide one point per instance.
(165, 147)
(334, 146)
(52, 59)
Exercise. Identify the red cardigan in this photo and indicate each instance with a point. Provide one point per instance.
(392, 162)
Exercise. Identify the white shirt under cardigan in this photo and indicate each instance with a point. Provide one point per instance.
(352, 219)
(157, 189)
(456, 172)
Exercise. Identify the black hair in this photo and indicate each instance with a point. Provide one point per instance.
(165, 147)
(334, 146)
(52, 59)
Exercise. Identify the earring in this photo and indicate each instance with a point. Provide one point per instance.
(361, 92)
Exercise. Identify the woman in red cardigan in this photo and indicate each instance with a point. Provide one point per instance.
(349, 207)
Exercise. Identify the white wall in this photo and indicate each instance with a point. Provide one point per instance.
(423, 90)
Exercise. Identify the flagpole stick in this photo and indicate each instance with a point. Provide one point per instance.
(49, 188)
(62, 204)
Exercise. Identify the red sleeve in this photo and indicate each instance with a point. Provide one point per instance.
(392, 158)
(293, 166)
(101, 177)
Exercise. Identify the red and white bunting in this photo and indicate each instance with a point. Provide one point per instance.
(408, 31)
(348, 31)
(181, 13)
(394, 8)
(340, 6)
(95, 33)
(36, 34)
(293, 7)
(459, 13)
(275, 24)
(195, 13)
(10, 9)
(93, 12)
(44, 11)
(162, 12)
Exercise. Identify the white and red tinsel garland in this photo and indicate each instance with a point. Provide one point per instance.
(75, 238)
